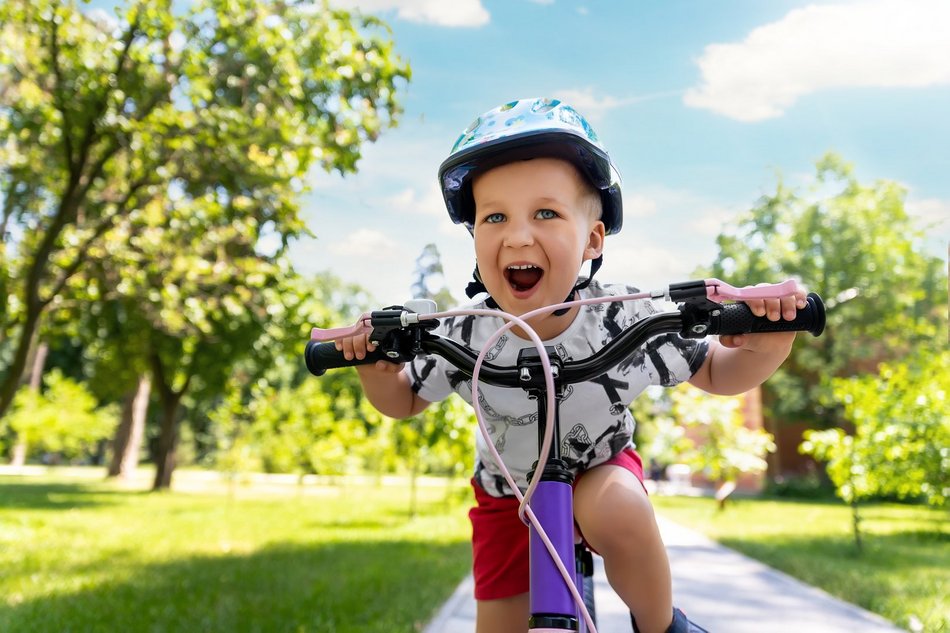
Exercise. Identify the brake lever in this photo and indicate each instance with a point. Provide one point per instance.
(719, 291)
(362, 326)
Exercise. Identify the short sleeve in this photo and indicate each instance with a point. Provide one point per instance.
(675, 359)
(428, 378)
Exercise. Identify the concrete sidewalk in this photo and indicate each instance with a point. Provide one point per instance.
(718, 588)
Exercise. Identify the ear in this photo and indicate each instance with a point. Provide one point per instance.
(595, 241)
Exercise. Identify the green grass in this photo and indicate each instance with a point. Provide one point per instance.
(78, 554)
(903, 572)
(89, 556)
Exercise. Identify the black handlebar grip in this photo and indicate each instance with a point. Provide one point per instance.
(737, 318)
(323, 356)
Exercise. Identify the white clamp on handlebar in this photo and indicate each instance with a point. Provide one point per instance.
(416, 308)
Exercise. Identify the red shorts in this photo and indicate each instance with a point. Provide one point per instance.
(500, 539)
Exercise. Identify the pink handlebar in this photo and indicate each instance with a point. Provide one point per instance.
(717, 290)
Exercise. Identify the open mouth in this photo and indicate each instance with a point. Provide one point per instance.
(523, 277)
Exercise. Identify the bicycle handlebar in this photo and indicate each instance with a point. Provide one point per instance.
(692, 320)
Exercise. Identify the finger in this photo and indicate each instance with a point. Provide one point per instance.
(773, 309)
(732, 340)
(346, 346)
(389, 368)
(360, 346)
(757, 306)
(789, 307)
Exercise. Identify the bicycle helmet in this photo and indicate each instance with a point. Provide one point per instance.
(523, 129)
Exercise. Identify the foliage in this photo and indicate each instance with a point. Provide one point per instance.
(440, 439)
(302, 430)
(707, 432)
(856, 246)
(174, 149)
(64, 418)
(901, 441)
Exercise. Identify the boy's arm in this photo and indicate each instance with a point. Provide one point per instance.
(384, 383)
(744, 361)
(390, 391)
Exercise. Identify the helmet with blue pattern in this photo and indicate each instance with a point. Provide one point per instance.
(523, 129)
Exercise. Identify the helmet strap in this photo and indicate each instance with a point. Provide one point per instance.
(478, 286)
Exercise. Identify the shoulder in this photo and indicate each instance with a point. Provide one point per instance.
(607, 289)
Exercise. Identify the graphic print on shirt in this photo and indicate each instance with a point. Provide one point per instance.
(611, 387)
(464, 328)
(496, 348)
(579, 451)
(610, 324)
(420, 377)
(494, 420)
(562, 352)
(575, 444)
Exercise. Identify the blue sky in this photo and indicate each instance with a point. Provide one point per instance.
(701, 104)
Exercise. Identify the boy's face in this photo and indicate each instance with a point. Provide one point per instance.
(535, 225)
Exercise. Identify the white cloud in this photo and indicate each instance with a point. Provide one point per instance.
(637, 205)
(367, 243)
(594, 106)
(410, 200)
(879, 43)
(933, 215)
(457, 13)
(931, 211)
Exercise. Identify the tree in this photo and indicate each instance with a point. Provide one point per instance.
(161, 133)
(858, 248)
(65, 418)
(707, 432)
(429, 278)
(901, 441)
(274, 415)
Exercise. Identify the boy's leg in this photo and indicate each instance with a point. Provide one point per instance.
(507, 615)
(613, 511)
(499, 565)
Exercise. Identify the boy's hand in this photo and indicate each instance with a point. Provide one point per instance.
(774, 310)
(358, 347)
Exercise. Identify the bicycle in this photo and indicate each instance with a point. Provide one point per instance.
(559, 600)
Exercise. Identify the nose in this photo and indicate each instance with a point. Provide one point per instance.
(518, 233)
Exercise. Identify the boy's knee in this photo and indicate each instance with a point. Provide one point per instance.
(612, 509)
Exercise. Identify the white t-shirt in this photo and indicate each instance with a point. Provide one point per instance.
(595, 423)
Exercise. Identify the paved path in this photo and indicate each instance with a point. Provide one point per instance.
(718, 588)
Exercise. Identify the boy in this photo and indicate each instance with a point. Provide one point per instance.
(537, 190)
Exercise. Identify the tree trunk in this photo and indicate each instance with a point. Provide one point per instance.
(34, 368)
(128, 437)
(167, 443)
(413, 477)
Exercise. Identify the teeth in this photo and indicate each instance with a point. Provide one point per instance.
(522, 267)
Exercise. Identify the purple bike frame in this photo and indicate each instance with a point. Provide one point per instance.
(553, 505)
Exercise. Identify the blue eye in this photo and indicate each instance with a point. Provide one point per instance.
(494, 218)
(546, 214)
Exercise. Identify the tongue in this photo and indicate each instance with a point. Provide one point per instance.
(524, 279)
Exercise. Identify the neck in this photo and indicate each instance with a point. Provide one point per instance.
(548, 326)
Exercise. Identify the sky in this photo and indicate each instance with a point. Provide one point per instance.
(702, 105)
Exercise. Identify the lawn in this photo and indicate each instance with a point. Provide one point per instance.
(83, 555)
(79, 554)
(903, 572)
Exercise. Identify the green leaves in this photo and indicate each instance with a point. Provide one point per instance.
(900, 445)
(64, 418)
(857, 247)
